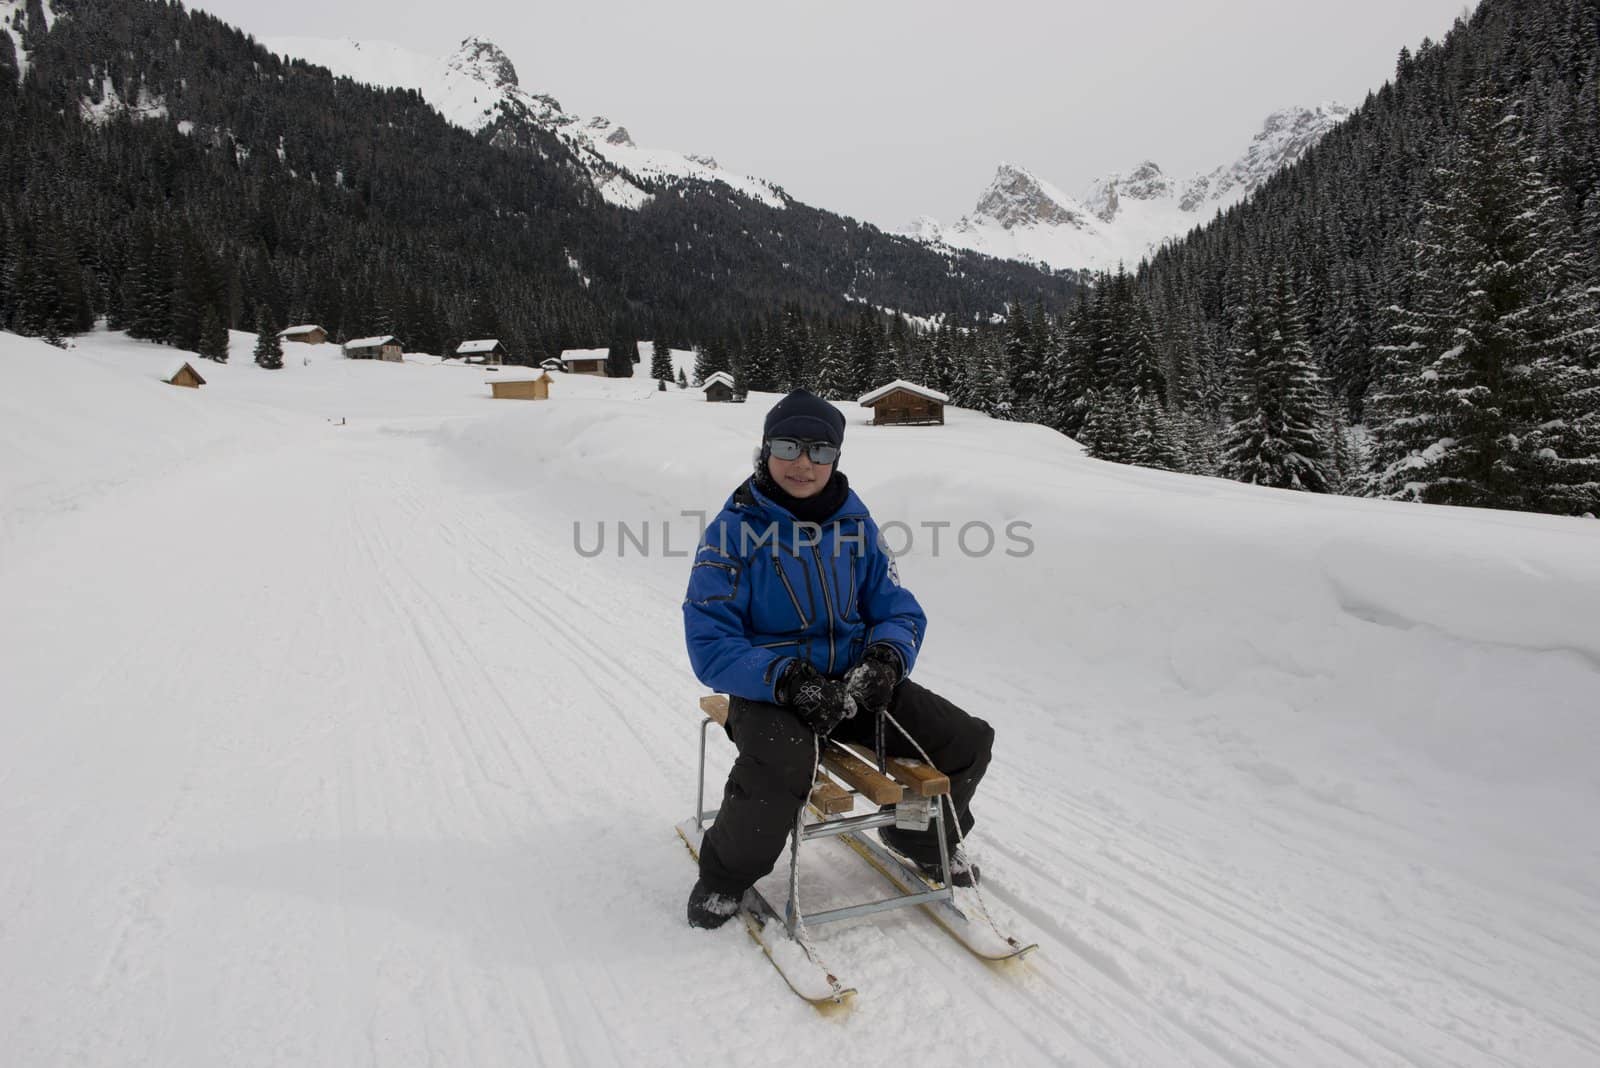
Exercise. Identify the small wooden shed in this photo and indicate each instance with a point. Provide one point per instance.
(485, 350)
(585, 363)
(307, 334)
(527, 386)
(902, 403)
(185, 376)
(719, 388)
(374, 348)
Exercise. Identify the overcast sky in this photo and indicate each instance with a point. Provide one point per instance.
(889, 109)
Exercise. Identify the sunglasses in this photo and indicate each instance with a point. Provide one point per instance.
(790, 448)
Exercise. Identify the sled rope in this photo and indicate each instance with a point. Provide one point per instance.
(799, 930)
(945, 799)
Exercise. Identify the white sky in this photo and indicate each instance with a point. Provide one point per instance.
(889, 109)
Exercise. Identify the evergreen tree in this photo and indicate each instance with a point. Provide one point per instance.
(1108, 426)
(621, 356)
(1276, 438)
(213, 340)
(660, 361)
(1156, 442)
(1490, 392)
(683, 381)
(269, 347)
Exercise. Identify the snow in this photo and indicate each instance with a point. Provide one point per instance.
(368, 342)
(472, 348)
(10, 12)
(321, 744)
(112, 105)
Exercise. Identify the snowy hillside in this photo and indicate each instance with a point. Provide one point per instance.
(477, 83)
(1121, 218)
(326, 738)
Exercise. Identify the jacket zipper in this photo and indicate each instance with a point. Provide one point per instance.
(827, 600)
(804, 622)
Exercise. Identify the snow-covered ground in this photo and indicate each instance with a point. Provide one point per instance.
(321, 742)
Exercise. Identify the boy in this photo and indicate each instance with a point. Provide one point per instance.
(795, 610)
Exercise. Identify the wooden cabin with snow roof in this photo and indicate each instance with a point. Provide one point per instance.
(485, 350)
(585, 362)
(718, 387)
(306, 334)
(374, 348)
(902, 403)
(526, 384)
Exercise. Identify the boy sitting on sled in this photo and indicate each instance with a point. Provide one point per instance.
(795, 610)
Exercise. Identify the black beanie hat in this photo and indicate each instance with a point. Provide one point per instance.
(804, 415)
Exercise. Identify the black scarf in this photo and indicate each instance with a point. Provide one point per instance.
(813, 509)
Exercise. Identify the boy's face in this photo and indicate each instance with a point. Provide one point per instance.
(799, 477)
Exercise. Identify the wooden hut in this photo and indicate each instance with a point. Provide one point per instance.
(525, 386)
(185, 376)
(304, 335)
(719, 388)
(373, 348)
(585, 362)
(486, 350)
(902, 403)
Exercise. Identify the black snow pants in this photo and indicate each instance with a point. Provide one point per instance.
(772, 776)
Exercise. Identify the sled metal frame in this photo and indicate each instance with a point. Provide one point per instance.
(829, 826)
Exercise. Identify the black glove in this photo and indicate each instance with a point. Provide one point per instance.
(822, 704)
(872, 681)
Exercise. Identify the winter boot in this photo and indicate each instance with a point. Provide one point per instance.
(709, 909)
(923, 851)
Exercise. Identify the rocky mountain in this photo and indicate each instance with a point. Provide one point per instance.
(476, 87)
(1123, 216)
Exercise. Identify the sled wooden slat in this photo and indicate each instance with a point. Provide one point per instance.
(919, 778)
(715, 705)
(860, 775)
(867, 780)
(831, 799)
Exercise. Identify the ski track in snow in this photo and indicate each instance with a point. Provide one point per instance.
(324, 747)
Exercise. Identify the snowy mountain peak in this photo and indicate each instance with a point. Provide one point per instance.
(1017, 197)
(603, 129)
(1124, 216)
(1144, 182)
(483, 61)
(476, 87)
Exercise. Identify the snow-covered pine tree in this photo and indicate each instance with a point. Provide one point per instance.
(1275, 438)
(269, 347)
(1109, 426)
(1202, 445)
(213, 343)
(756, 370)
(1127, 339)
(660, 360)
(833, 373)
(1490, 390)
(1155, 443)
(683, 380)
(1022, 370)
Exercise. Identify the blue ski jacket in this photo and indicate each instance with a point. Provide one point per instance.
(766, 589)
